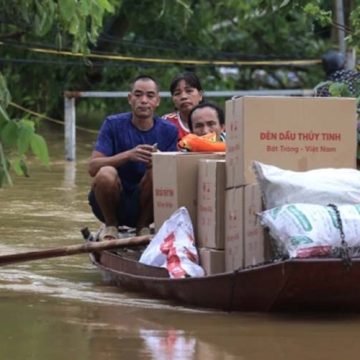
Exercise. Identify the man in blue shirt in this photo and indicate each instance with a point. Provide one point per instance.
(121, 192)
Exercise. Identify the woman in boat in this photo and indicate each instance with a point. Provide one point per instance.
(186, 92)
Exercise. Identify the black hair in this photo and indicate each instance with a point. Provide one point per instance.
(144, 77)
(219, 112)
(189, 77)
(333, 61)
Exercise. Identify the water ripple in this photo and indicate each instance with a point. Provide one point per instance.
(26, 281)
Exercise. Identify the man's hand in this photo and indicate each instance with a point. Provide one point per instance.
(142, 153)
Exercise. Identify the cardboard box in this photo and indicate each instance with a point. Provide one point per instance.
(234, 232)
(212, 260)
(175, 183)
(211, 204)
(254, 241)
(295, 133)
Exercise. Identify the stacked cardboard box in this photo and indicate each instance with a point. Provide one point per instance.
(211, 204)
(244, 235)
(289, 132)
(292, 133)
(210, 215)
(175, 183)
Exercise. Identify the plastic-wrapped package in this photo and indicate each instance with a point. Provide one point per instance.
(319, 186)
(173, 247)
(308, 230)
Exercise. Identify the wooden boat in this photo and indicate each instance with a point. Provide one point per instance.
(292, 285)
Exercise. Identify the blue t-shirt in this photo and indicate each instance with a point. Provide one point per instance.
(118, 134)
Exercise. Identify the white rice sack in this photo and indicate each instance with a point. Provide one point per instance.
(319, 186)
(308, 230)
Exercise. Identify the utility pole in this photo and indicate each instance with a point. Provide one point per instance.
(349, 54)
(340, 25)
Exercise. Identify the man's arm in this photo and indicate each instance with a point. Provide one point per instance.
(140, 153)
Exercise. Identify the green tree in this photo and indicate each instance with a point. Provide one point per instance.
(70, 21)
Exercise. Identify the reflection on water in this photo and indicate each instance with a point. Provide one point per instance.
(69, 174)
(60, 308)
(169, 344)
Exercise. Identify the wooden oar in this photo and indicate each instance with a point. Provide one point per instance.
(88, 247)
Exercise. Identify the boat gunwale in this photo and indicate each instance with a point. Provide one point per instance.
(286, 262)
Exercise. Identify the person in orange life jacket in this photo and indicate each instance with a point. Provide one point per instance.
(186, 92)
(207, 118)
(120, 163)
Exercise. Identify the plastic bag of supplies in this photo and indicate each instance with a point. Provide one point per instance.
(173, 247)
(319, 186)
(308, 230)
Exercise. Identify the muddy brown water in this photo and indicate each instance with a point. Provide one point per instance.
(61, 309)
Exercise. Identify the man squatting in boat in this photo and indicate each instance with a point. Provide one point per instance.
(121, 192)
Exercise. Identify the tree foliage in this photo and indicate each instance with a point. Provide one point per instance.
(79, 22)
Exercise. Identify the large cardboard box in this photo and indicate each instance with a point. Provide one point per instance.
(244, 235)
(234, 229)
(175, 183)
(295, 133)
(211, 204)
(212, 260)
(254, 241)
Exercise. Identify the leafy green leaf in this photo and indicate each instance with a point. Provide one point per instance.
(15, 165)
(3, 118)
(44, 17)
(24, 168)
(74, 25)
(3, 114)
(339, 90)
(9, 134)
(356, 85)
(25, 133)
(39, 148)
(324, 17)
(106, 5)
(18, 165)
(84, 7)
(25, 13)
(67, 8)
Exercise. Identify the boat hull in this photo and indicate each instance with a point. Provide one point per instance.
(291, 285)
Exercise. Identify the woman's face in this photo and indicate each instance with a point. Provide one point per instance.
(185, 97)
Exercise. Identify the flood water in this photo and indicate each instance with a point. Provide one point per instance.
(61, 309)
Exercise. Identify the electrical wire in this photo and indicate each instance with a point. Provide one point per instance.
(43, 116)
(154, 60)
